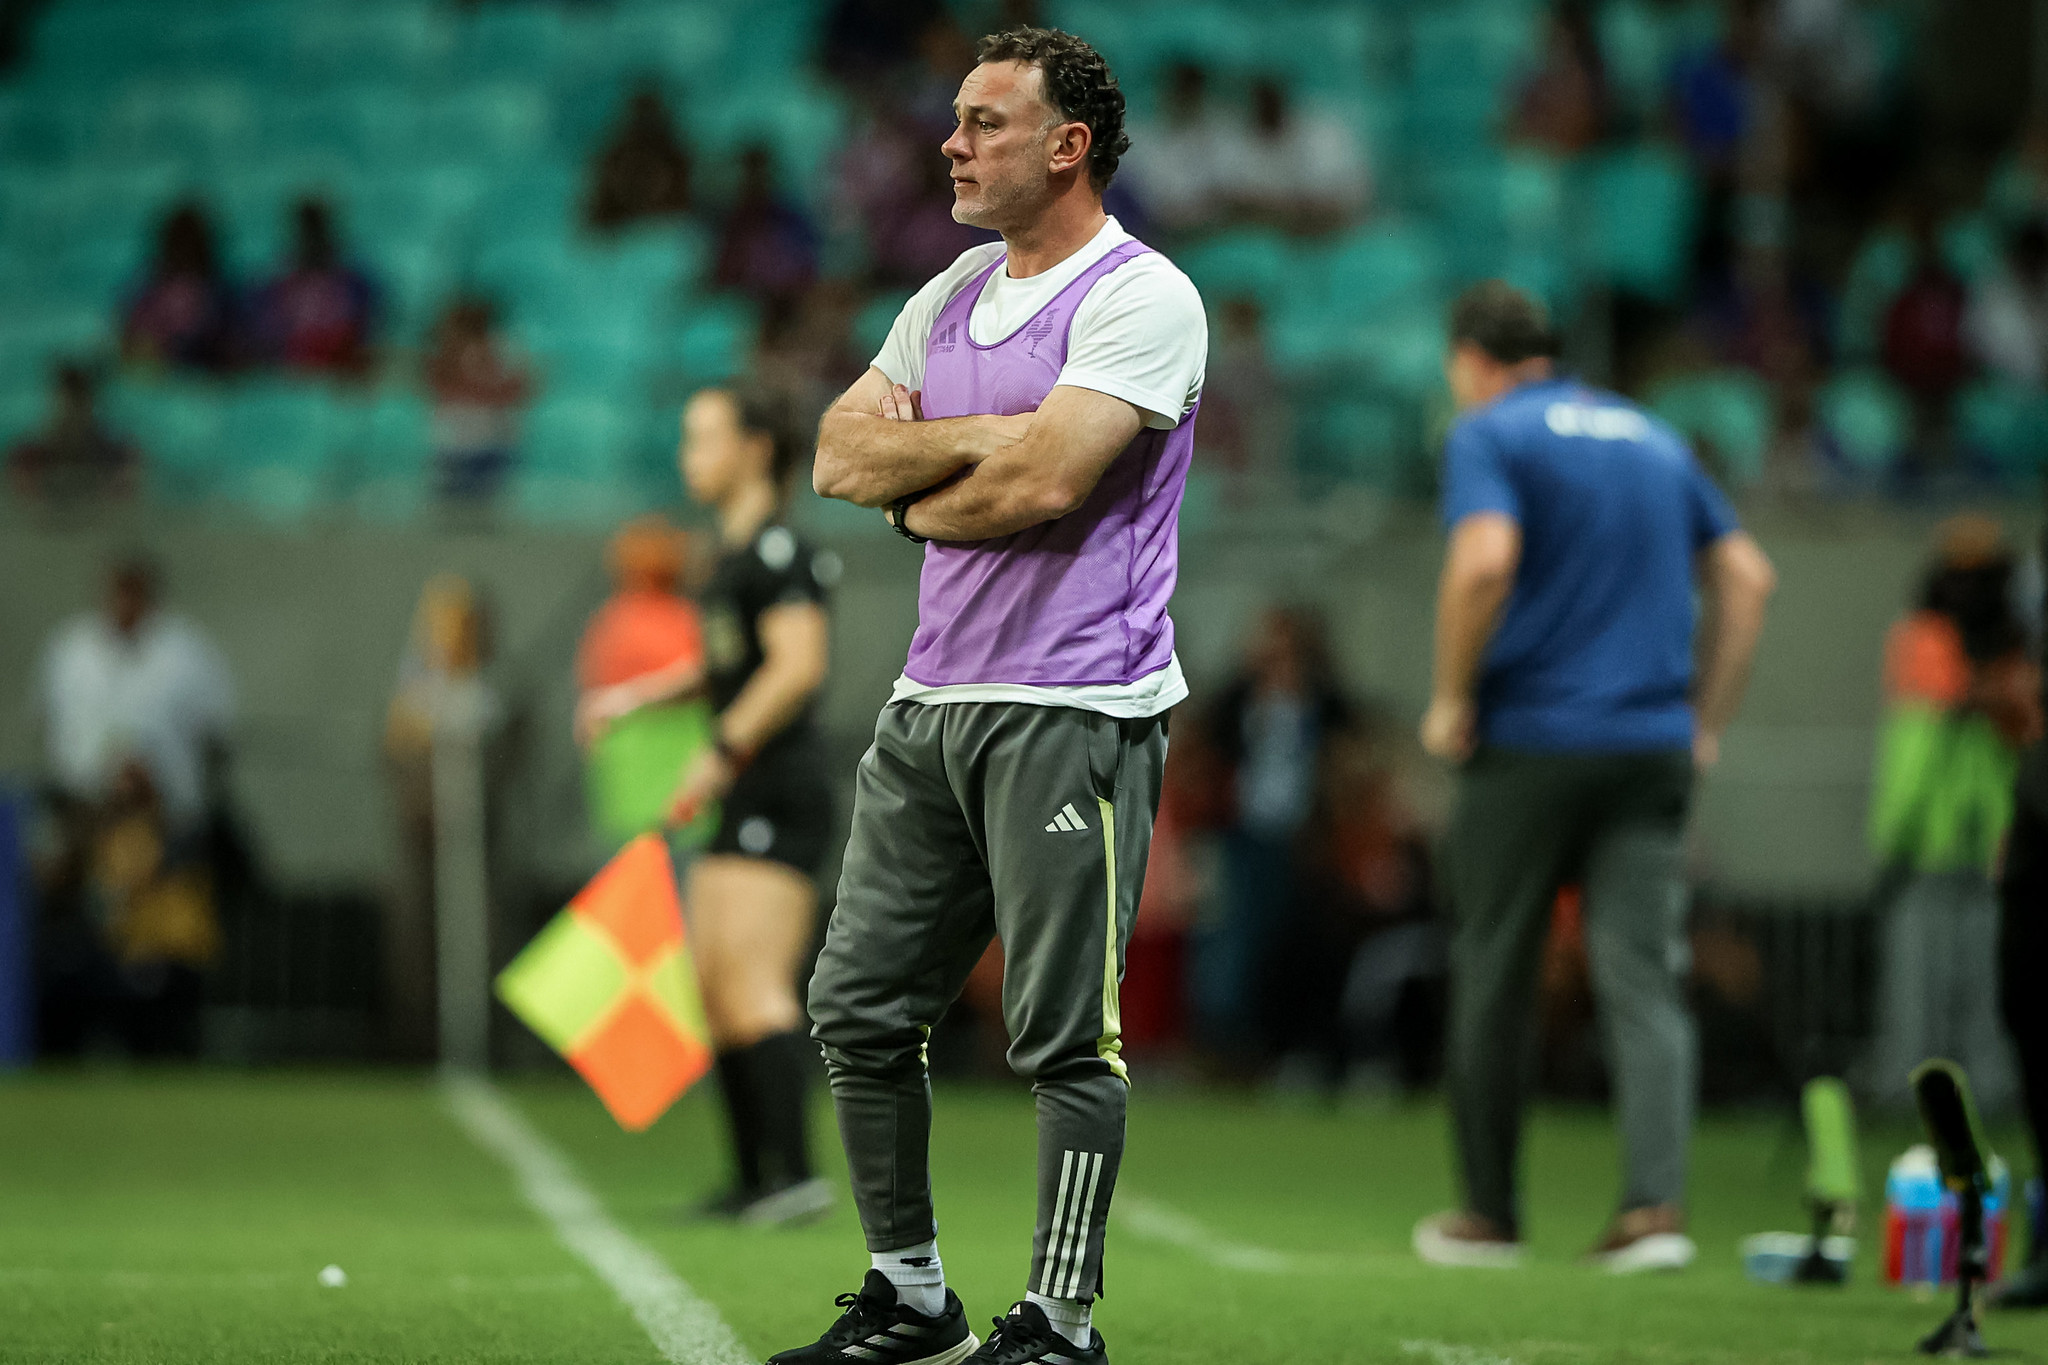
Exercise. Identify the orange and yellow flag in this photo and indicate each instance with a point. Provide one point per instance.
(609, 984)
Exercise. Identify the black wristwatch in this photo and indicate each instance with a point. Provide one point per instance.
(897, 511)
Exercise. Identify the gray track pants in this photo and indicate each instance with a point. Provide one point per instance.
(972, 819)
(1525, 824)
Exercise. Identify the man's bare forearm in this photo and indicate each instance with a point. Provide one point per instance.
(1738, 580)
(1468, 608)
(1735, 622)
(871, 461)
(1001, 496)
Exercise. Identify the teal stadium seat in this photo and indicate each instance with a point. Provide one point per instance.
(714, 339)
(694, 46)
(871, 326)
(282, 443)
(499, 123)
(409, 40)
(1870, 418)
(518, 41)
(2005, 427)
(1876, 275)
(1249, 263)
(784, 112)
(576, 458)
(101, 39)
(1725, 414)
(369, 125)
(388, 480)
(1643, 213)
(416, 278)
(1970, 245)
(24, 405)
(1355, 440)
(179, 427)
(540, 200)
(192, 121)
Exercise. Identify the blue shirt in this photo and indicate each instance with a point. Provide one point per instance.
(1594, 649)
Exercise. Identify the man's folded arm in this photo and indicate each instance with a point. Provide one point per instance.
(871, 460)
(1065, 448)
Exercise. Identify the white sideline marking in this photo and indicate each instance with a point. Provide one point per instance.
(685, 1328)
(1444, 1353)
(1157, 1222)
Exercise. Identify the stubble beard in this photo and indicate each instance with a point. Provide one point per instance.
(999, 207)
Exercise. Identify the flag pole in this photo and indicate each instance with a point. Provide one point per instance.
(461, 878)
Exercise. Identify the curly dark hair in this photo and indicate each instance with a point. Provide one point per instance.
(1079, 85)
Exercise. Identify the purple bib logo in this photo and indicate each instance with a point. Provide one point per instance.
(946, 337)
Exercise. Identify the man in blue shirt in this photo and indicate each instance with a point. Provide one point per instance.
(1569, 692)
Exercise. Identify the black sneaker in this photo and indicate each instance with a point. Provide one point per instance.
(1027, 1338)
(876, 1329)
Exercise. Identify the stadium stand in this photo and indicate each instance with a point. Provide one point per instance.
(455, 142)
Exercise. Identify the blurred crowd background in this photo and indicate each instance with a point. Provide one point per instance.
(389, 255)
(319, 301)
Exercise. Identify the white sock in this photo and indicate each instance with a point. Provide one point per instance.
(1069, 1317)
(919, 1278)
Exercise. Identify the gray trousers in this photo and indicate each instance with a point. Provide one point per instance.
(1937, 990)
(974, 819)
(1524, 825)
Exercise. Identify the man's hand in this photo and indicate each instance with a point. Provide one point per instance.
(708, 778)
(1450, 728)
(903, 405)
(1706, 748)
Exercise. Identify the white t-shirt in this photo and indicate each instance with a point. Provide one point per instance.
(156, 698)
(1141, 335)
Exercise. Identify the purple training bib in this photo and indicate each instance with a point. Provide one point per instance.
(1077, 601)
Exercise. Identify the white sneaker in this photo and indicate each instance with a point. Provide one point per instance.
(1643, 1240)
(1465, 1240)
(1658, 1251)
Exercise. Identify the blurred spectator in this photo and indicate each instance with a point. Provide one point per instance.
(1923, 337)
(134, 685)
(643, 171)
(317, 315)
(920, 237)
(645, 645)
(867, 41)
(1562, 107)
(1173, 163)
(479, 390)
(185, 314)
(767, 247)
(442, 672)
(1714, 89)
(1298, 171)
(2007, 319)
(1244, 414)
(1357, 978)
(806, 345)
(74, 458)
(945, 54)
(126, 928)
(2018, 192)
(1962, 699)
(135, 707)
(1269, 729)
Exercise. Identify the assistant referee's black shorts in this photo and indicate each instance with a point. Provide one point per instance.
(780, 808)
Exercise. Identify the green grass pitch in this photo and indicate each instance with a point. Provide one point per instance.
(178, 1217)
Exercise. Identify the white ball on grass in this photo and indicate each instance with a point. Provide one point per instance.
(333, 1277)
